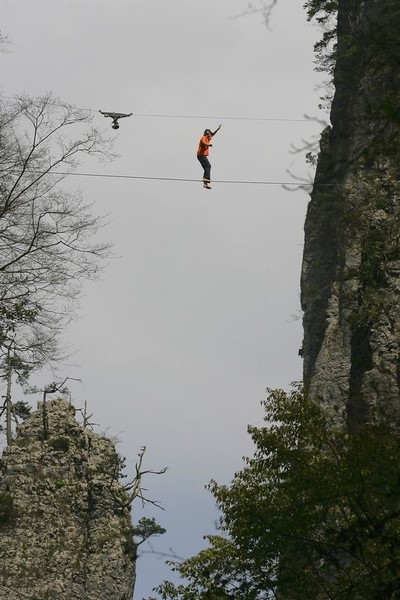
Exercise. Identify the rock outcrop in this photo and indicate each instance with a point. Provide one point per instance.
(65, 527)
(350, 284)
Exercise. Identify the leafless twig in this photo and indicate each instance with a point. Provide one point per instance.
(265, 10)
(135, 488)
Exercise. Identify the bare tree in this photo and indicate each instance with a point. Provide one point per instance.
(48, 241)
(46, 234)
(135, 488)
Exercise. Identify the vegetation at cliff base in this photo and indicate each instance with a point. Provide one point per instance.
(314, 513)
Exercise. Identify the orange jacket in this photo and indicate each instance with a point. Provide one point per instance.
(203, 145)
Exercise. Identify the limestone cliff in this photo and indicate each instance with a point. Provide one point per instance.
(350, 283)
(65, 528)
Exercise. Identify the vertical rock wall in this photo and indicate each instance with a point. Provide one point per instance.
(65, 528)
(350, 283)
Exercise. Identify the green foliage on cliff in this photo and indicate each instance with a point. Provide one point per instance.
(324, 13)
(145, 528)
(7, 510)
(371, 220)
(313, 514)
(60, 443)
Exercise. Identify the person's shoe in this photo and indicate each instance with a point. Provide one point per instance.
(207, 186)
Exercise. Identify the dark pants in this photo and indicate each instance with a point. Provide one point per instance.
(205, 163)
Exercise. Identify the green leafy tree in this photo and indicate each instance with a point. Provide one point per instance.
(146, 528)
(315, 513)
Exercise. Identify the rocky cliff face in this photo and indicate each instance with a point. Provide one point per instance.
(65, 528)
(350, 284)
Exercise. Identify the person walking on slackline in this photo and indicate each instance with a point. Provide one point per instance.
(202, 155)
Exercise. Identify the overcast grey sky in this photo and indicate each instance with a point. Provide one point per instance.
(194, 318)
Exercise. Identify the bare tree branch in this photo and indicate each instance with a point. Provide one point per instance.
(48, 237)
(134, 487)
(265, 9)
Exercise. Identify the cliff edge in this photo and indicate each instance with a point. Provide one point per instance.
(350, 282)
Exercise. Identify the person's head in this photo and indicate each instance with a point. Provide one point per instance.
(208, 132)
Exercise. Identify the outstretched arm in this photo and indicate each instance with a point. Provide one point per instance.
(216, 131)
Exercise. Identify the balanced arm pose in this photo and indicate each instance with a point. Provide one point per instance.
(202, 155)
